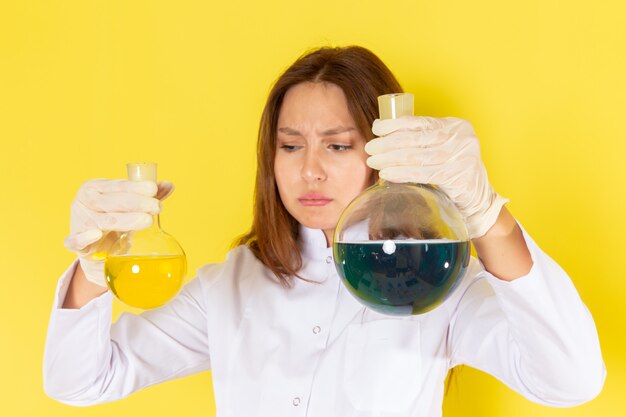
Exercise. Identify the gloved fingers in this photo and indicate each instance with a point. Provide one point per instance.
(406, 139)
(409, 157)
(402, 174)
(146, 188)
(165, 189)
(382, 127)
(126, 202)
(76, 242)
(121, 222)
(440, 175)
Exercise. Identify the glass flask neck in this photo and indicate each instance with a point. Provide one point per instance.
(384, 183)
(156, 224)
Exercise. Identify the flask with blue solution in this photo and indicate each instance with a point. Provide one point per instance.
(401, 248)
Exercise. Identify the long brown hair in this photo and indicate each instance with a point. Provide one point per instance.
(363, 77)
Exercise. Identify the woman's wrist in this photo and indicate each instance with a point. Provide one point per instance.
(81, 290)
(503, 250)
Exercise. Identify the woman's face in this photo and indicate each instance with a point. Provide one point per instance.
(320, 158)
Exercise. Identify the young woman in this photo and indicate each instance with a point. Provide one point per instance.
(274, 324)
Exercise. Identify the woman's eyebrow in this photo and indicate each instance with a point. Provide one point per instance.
(289, 131)
(336, 130)
(328, 132)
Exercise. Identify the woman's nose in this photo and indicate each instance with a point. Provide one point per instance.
(313, 168)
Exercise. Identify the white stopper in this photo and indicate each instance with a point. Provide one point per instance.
(392, 106)
(142, 171)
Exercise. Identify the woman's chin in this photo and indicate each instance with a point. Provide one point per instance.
(318, 224)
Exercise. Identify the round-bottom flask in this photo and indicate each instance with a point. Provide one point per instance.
(145, 268)
(401, 249)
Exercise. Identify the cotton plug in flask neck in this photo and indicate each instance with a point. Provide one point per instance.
(401, 248)
(148, 267)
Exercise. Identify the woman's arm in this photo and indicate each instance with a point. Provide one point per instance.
(533, 333)
(87, 360)
(502, 250)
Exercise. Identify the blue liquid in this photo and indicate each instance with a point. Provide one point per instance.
(413, 278)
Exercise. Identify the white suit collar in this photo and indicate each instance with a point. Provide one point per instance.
(316, 256)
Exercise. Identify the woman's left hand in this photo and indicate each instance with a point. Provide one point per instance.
(443, 152)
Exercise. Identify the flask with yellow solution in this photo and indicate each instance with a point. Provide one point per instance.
(145, 268)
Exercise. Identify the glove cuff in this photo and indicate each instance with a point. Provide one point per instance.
(480, 223)
(94, 271)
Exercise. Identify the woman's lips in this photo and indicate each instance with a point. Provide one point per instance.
(314, 199)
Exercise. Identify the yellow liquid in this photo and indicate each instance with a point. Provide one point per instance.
(145, 281)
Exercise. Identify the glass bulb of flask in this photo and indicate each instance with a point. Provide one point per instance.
(144, 268)
(401, 248)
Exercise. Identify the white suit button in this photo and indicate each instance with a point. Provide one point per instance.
(317, 329)
(296, 401)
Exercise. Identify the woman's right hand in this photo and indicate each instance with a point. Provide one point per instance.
(102, 210)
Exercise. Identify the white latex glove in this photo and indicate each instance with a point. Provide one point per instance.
(442, 152)
(102, 210)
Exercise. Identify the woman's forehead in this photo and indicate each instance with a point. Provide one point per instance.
(308, 104)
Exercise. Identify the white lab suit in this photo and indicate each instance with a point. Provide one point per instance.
(313, 350)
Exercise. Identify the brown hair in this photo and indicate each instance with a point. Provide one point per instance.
(363, 77)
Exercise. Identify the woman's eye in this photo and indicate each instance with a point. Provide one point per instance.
(289, 148)
(337, 147)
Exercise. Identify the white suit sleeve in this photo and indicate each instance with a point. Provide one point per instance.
(534, 334)
(87, 360)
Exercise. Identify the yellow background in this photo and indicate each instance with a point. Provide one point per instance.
(86, 86)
